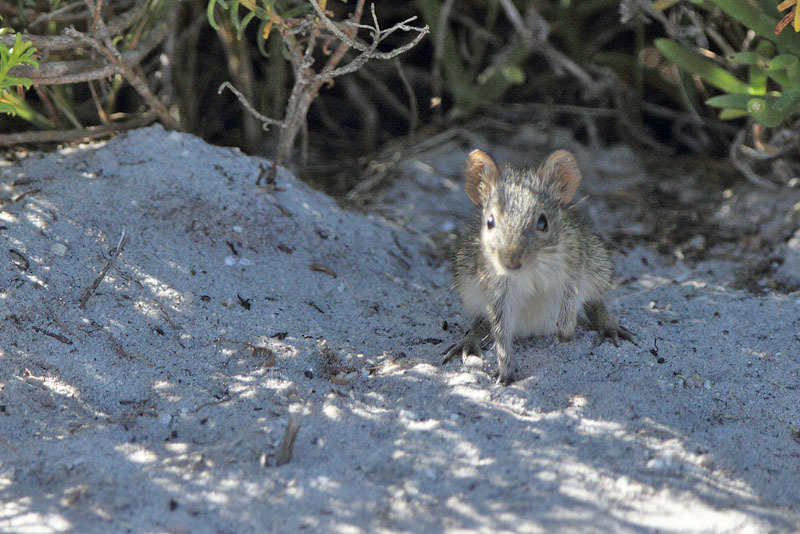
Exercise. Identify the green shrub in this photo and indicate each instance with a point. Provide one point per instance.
(771, 93)
(19, 53)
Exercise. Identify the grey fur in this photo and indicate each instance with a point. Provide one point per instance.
(522, 277)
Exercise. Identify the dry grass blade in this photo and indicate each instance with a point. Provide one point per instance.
(284, 453)
(113, 256)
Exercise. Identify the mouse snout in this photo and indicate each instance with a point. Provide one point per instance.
(511, 258)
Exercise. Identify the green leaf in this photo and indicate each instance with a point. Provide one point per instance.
(782, 61)
(747, 58)
(695, 63)
(772, 113)
(7, 108)
(513, 74)
(245, 21)
(785, 77)
(730, 101)
(11, 81)
(235, 15)
(260, 41)
(730, 114)
(761, 23)
(758, 80)
(210, 13)
(21, 52)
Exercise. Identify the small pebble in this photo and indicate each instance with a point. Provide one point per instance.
(59, 249)
(665, 461)
(406, 414)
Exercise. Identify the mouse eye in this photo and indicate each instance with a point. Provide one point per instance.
(541, 224)
(490, 222)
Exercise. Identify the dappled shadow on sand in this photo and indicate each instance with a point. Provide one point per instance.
(149, 409)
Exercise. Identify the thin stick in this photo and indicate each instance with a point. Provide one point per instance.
(413, 107)
(284, 453)
(63, 339)
(438, 54)
(743, 166)
(78, 134)
(114, 57)
(82, 70)
(265, 121)
(113, 256)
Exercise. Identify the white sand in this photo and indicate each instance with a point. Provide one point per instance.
(127, 415)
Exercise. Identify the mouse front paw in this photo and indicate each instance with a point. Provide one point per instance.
(614, 333)
(470, 345)
(466, 347)
(505, 377)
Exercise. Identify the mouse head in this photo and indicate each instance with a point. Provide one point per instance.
(521, 210)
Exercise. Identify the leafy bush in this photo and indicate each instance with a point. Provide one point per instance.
(771, 93)
(20, 52)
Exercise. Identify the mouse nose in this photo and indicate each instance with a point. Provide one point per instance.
(511, 258)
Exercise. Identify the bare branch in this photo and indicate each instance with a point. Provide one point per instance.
(367, 52)
(266, 121)
(334, 29)
(47, 17)
(413, 106)
(78, 134)
(83, 70)
(114, 57)
(742, 165)
(308, 81)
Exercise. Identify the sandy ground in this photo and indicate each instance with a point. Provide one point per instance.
(161, 404)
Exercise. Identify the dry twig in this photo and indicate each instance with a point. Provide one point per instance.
(742, 165)
(82, 70)
(78, 134)
(107, 50)
(112, 256)
(309, 81)
(286, 447)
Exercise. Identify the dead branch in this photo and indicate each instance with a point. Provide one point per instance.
(266, 121)
(413, 107)
(57, 43)
(103, 45)
(84, 70)
(742, 165)
(112, 256)
(78, 134)
(63, 339)
(438, 54)
(57, 14)
(308, 82)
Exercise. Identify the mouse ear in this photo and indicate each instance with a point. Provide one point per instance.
(561, 169)
(482, 175)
